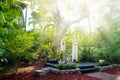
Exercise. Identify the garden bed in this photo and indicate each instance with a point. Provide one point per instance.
(49, 76)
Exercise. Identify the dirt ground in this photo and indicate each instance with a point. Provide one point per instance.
(27, 73)
(114, 71)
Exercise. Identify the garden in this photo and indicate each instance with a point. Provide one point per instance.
(59, 40)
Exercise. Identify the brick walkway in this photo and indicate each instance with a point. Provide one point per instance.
(104, 76)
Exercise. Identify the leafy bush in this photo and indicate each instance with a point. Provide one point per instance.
(114, 57)
(14, 41)
(68, 66)
(105, 63)
(15, 48)
(17, 43)
(6, 61)
(71, 65)
(61, 66)
(61, 55)
(88, 57)
(32, 53)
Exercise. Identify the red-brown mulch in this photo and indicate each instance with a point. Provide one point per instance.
(49, 76)
(115, 71)
(27, 73)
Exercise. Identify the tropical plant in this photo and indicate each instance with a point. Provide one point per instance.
(15, 42)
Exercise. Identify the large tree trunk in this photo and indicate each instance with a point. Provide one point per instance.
(61, 31)
(61, 26)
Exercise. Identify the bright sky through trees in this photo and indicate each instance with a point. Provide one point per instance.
(88, 11)
(74, 9)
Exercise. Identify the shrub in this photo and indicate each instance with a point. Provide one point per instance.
(71, 65)
(88, 57)
(105, 63)
(61, 66)
(114, 57)
(5, 61)
(68, 66)
(4, 58)
(16, 43)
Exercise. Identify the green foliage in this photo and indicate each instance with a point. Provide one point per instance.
(32, 53)
(103, 53)
(61, 55)
(46, 51)
(16, 45)
(70, 65)
(79, 55)
(61, 66)
(88, 57)
(5, 59)
(68, 46)
(8, 9)
(114, 57)
(105, 63)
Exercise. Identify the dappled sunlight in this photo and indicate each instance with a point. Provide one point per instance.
(34, 33)
(26, 70)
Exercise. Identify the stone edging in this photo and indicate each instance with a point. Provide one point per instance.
(102, 68)
(42, 71)
(46, 70)
(57, 71)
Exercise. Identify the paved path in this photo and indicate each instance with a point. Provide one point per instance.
(104, 76)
